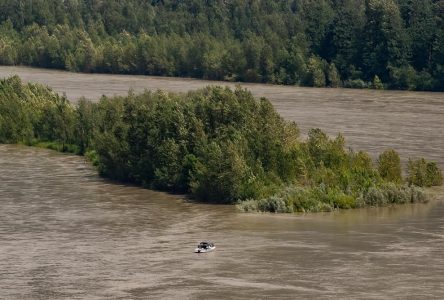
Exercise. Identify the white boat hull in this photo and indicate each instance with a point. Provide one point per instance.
(202, 250)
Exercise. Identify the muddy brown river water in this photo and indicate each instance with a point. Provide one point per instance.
(65, 233)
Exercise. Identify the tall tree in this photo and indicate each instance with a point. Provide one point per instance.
(421, 27)
(385, 39)
(346, 34)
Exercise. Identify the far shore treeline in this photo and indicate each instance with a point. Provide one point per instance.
(215, 144)
(395, 44)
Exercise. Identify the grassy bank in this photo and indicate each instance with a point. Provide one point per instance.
(215, 144)
(320, 199)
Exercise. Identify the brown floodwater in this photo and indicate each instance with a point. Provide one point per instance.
(66, 233)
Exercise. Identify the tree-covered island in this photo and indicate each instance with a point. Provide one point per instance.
(215, 144)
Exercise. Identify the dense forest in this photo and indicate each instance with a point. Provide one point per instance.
(396, 44)
(216, 144)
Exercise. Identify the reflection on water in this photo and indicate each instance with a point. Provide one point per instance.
(67, 234)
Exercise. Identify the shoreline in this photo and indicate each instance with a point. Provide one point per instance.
(430, 192)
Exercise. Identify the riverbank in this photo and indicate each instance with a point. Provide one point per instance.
(293, 199)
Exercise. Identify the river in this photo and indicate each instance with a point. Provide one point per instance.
(66, 233)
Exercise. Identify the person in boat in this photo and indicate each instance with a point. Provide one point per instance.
(204, 245)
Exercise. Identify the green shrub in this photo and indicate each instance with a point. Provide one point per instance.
(92, 156)
(391, 194)
(403, 78)
(300, 199)
(355, 84)
(250, 205)
(342, 200)
(273, 204)
(389, 166)
(424, 173)
(69, 148)
(398, 195)
(377, 83)
(333, 77)
(425, 81)
(417, 195)
(375, 197)
(304, 199)
(315, 75)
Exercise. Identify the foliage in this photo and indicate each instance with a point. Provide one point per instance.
(333, 77)
(355, 84)
(315, 43)
(216, 144)
(424, 173)
(300, 199)
(391, 194)
(389, 166)
(33, 112)
(377, 83)
(315, 75)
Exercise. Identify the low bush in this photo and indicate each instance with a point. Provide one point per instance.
(355, 84)
(320, 199)
(69, 148)
(393, 194)
(377, 83)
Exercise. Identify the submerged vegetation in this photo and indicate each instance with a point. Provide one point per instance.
(397, 44)
(216, 144)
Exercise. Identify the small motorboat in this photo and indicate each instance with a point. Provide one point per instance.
(204, 247)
